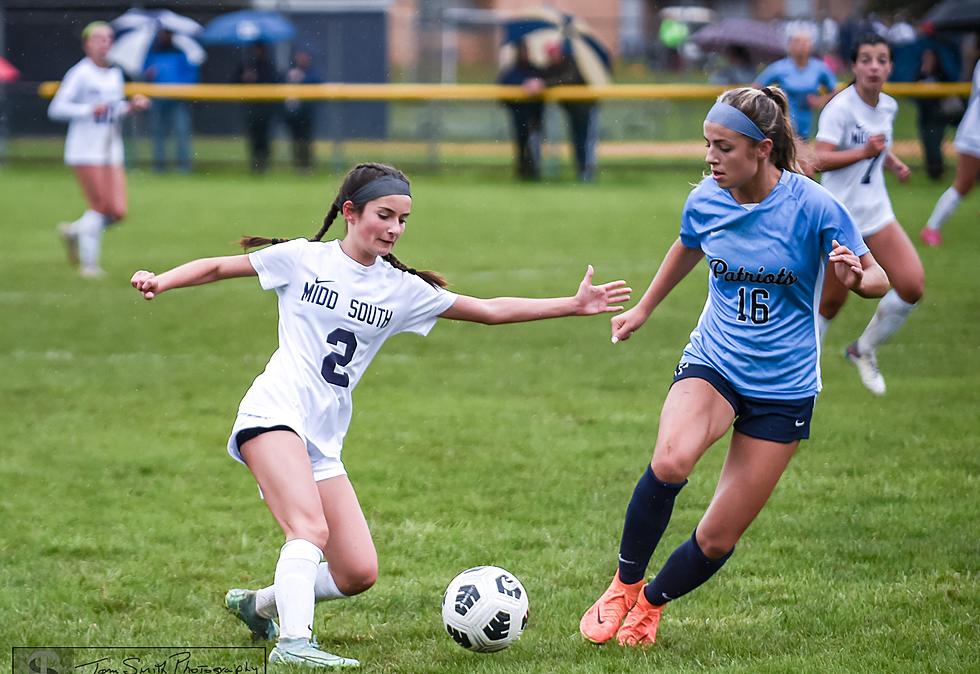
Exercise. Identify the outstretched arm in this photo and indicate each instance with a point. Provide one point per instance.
(678, 263)
(589, 300)
(194, 273)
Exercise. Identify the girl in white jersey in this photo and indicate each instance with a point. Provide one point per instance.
(752, 361)
(91, 100)
(853, 148)
(967, 143)
(338, 302)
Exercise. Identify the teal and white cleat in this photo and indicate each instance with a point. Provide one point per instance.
(241, 604)
(301, 652)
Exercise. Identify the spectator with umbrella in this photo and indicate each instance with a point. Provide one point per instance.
(567, 52)
(159, 46)
(255, 30)
(801, 76)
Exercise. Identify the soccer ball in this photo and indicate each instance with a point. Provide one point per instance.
(484, 609)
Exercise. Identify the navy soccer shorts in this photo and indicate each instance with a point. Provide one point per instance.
(764, 418)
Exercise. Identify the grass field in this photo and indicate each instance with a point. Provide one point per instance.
(124, 522)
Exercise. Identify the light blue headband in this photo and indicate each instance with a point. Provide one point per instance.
(732, 118)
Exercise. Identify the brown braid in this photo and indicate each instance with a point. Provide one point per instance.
(359, 176)
(431, 277)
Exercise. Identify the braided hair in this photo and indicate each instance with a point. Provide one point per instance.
(359, 176)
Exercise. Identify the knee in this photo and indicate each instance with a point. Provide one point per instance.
(356, 580)
(911, 290)
(669, 464)
(117, 213)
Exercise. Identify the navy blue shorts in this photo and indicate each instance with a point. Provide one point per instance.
(776, 420)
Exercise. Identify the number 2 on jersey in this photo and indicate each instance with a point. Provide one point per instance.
(336, 360)
(758, 309)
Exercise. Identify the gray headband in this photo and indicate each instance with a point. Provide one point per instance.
(379, 187)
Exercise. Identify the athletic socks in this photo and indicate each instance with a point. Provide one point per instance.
(686, 569)
(295, 578)
(891, 314)
(88, 229)
(647, 516)
(324, 589)
(944, 208)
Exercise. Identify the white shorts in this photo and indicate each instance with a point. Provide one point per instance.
(325, 466)
(80, 151)
(967, 143)
(882, 219)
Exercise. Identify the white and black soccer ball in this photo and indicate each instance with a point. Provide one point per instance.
(485, 609)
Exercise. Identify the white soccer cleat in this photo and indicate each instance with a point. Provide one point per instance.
(867, 367)
(70, 239)
(304, 654)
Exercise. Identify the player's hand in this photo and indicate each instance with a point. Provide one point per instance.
(847, 266)
(100, 111)
(139, 102)
(628, 322)
(599, 299)
(146, 282)
(902, 171)
(875, 145)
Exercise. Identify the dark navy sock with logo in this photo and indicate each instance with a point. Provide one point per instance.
(685, 570)
(646, 519)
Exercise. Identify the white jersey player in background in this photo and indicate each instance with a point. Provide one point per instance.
(967, 143)
(853, 148)
(338, 302)
(90, 98)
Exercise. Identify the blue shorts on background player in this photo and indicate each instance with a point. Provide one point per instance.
(753, 360)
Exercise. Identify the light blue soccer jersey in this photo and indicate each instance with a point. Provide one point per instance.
(798, 83)
(765, 275)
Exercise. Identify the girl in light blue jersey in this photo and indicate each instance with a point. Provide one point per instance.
(752, 360)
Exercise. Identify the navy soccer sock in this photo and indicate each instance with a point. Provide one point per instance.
(685, 570)
(646, 518)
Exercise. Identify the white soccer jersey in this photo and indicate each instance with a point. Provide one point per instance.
(847, 122)
(91, 140)
(334, 315)
(968, 132)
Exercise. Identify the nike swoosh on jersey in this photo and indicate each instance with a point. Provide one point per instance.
(799, 423)
(319, 280)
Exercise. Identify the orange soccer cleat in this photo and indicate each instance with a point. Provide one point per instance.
(640, 626)
(600, 622)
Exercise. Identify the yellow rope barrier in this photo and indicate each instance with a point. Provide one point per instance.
(467, 92)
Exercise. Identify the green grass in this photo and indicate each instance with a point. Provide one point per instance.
(123, 521)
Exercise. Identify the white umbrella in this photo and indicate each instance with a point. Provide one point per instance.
(137, 29)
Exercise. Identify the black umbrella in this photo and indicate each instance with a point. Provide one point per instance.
(962, 15)
(764, 41)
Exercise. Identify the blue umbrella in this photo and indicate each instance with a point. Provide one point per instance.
(137, 29)
(248, 27)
